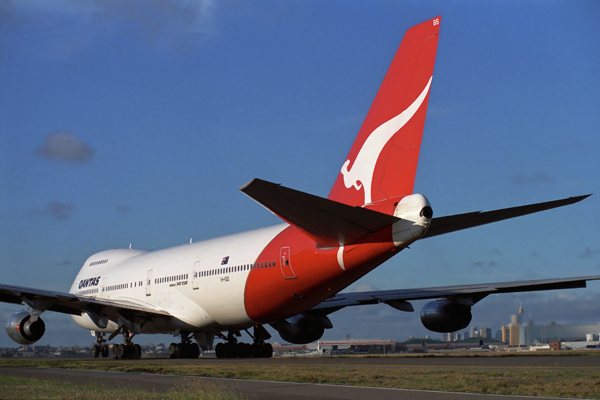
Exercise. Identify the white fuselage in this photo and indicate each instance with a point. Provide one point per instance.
(200, 284)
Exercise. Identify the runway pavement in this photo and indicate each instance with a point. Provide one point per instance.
(278, 390)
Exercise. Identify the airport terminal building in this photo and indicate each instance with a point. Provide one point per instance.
(532, 334)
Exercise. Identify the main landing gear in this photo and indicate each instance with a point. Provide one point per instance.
(100, 348)
(185, 349)
(127, 350)
(232, 349)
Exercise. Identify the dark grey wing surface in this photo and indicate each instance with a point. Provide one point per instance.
(473, 292)
(67, 303)
(453, 223)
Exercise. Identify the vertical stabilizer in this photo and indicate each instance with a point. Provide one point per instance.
(382, 162)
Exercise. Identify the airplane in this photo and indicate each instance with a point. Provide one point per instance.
(289, 276)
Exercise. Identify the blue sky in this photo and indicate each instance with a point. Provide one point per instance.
(136, 122)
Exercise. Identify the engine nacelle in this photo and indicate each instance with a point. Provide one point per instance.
(302, 329)
(445, 316)
(25, 328)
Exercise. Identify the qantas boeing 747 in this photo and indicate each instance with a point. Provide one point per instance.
(288, 276)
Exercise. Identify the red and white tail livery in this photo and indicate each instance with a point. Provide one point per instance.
(383, 160)
(289, 276)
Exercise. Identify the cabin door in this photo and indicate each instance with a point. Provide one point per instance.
(148, 283)
(286, 264)
(196, 275)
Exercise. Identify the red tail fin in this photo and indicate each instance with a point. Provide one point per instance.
(383, 160)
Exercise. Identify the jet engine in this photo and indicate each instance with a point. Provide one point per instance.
(25, 328)
(302, 328)
(445, 316)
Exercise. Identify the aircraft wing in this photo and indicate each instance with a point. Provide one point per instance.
(68, 303)
(467, 294)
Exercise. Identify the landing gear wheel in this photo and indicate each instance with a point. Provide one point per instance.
(244, 350)
(180, 350)
(267, 350)
(122, 352)
(219, 350)
(194, 351)
(185, 349)
(137, 351)
(100, 346)
(95, 351)
(172, 350)
(231, 350)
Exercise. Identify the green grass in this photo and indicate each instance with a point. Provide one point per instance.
(525, 381)
(18, 388)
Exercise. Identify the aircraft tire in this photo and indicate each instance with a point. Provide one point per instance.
(267, 351)
(137, 351)
(219, 350)
(172, 350)
(194, 350)
(230, 350)
(121, 351)
(244, 350)
(104, 350)
(95, 351)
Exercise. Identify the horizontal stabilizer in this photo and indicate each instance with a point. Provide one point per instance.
(452, 223)
(328, 222)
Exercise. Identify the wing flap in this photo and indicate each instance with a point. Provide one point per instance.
(328, 222)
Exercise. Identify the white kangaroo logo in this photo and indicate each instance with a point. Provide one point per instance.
(364, 164)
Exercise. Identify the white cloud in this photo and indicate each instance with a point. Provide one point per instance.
(55, 210)
(589, 253)
(169, 24)
(123, 210)
(65, 146)
(533, 178)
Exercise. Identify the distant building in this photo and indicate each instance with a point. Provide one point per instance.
(485, 333)
(530, 334)
(355, 346)
(517, 333)
(510, 335)
(498, 335)
(554, 345)
(474, 332)
(505, 334)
